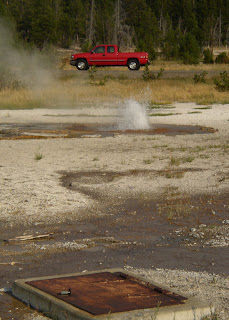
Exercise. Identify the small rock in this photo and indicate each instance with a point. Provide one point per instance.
(202, 225)
(225, 222)
(193, 229)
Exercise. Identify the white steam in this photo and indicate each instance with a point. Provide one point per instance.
(133, 116)
(27, 66)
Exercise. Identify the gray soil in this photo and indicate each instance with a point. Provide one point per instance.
(74, 198)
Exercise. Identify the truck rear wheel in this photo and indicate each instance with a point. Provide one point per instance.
(81, 64)
(133, 64)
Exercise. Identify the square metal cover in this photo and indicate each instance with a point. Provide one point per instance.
(107, 292)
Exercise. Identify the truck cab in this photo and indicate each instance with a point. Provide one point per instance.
(107, 54)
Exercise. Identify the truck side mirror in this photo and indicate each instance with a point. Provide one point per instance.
(92, 52)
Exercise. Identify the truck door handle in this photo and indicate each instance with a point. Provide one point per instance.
(103, 55)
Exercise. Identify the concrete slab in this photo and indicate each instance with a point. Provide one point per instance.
(55, 308)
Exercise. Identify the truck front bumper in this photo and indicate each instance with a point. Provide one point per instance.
(73, 62)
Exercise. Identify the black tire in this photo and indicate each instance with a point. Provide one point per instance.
(81, 64)
(133, 64)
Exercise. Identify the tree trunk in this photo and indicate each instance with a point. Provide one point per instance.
(91, 24)
(117, 23)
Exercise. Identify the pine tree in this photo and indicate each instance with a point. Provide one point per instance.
(43, 23)
(190, 50)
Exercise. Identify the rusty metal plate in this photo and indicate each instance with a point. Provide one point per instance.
(106, 292)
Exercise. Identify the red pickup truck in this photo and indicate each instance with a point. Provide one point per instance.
(108, 55)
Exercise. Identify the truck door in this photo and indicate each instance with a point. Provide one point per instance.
(100, 56)
(97, 56)
(111, 56)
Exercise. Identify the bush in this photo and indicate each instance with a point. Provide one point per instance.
(222, 58)
(149, 75)
(200, 78)
(222, 84)
(208, 57)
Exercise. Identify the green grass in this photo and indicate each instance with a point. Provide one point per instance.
(162, 114)
(177, 161)
(38, 156)
(194, 112)
(174, 175)
(147, 161)
(203, 108)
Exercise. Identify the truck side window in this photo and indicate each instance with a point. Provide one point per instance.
(110, 49)
(100, 49)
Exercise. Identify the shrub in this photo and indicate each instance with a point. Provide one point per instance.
(222, 84)
(208, 57)
(149, 75)
(200, 78)
(92, 75)
(92, 72)
(222, 58)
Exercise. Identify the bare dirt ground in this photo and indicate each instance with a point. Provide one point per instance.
(74, 198)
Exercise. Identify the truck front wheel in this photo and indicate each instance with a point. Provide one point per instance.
(81, 64)
(133, 64)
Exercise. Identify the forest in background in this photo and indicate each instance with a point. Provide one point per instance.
(178, 29)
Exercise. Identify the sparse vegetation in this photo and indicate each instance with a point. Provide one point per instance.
(94, 80)
(147, 161)
(150, 75)
(38, 156)
(174, 161)
(200, 78)
(177, 161)
(161, 114)
(222, 84)
(174, 174)
(203, 108)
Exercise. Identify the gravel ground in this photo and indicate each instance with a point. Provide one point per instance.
(194, 164)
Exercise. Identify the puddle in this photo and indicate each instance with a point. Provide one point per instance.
(50, 130)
